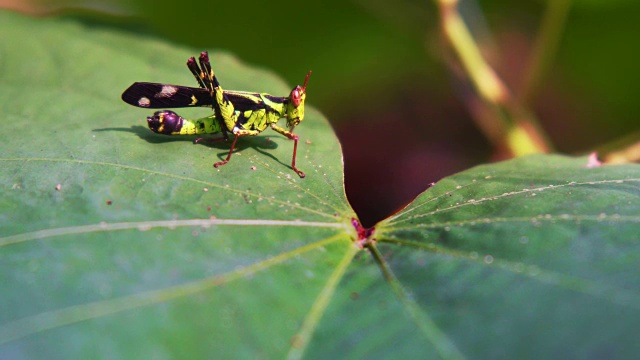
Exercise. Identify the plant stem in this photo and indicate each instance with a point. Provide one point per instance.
(545, 47)
(517, 128)
(621, 151)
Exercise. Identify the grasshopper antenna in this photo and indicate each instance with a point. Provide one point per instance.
(306, 80)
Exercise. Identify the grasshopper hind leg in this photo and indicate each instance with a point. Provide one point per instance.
(233, 145)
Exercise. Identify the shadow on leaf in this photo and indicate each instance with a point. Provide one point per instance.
(261, 144)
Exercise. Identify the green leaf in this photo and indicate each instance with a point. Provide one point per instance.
(110, 232)
(118, 242)
(535, 257)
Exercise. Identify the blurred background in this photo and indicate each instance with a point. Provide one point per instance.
(391, 82)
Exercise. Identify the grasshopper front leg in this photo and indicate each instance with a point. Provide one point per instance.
(295, 138)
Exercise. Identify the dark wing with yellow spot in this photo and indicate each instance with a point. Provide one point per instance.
(157, 96)
(161, 96)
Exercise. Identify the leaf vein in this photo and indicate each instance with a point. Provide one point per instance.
(49, 320)
(175, 176)
(474, 202)
(609, 293)
(148, 225)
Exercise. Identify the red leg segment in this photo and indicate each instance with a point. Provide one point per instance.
(293, 160)
(233, 145)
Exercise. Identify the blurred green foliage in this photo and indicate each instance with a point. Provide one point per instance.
(381, 71)
(363, 51)
(350, 51)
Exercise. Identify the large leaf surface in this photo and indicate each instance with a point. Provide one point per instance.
(146, 251)
(145, 246)
(534, 257)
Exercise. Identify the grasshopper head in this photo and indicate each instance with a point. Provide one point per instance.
(295, 107)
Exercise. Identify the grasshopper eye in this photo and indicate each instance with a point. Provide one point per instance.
(296, 98)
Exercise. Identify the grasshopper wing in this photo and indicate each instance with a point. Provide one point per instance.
(156, 96)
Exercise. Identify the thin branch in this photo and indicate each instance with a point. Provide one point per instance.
(518, 128)
(545, 47)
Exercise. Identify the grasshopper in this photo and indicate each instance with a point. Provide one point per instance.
(241, 113)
